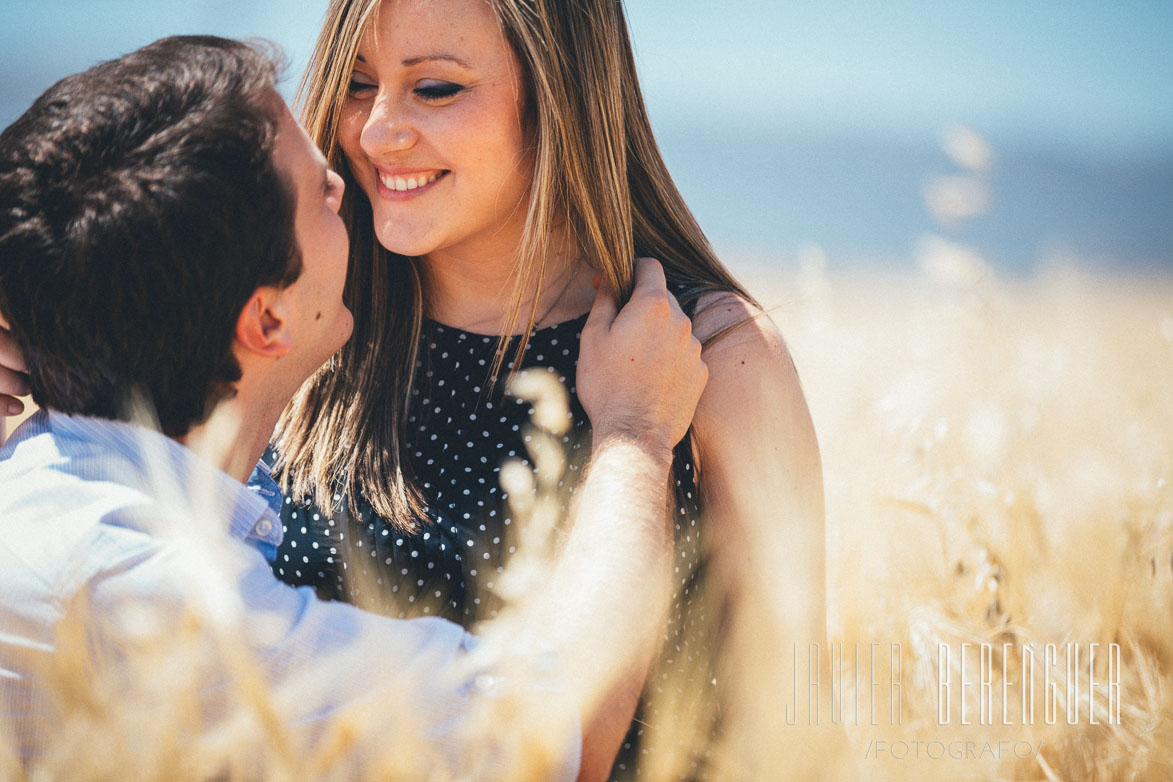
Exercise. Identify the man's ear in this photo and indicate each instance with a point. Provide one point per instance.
(262, 327)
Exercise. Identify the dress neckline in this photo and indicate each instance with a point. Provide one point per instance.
(436, 325)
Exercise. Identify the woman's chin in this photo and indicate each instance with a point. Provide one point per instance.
(401, 243)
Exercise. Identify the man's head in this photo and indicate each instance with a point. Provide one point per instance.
(143, 204)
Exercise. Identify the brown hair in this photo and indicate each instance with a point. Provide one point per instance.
(140, 207)
(597, 170)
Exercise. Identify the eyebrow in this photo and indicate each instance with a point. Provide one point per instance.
(433, 57)
(410, 61)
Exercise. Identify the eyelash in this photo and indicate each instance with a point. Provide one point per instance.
(356, 87)
(439, 91)
(434, 92)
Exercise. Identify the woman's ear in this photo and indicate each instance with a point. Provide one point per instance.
(262, 327)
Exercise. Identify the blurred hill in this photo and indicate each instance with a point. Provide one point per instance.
(763, 196)
(817, 121)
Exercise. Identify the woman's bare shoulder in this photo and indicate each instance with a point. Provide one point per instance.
(734, 329)
(754, 399)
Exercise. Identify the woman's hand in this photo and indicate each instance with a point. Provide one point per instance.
(13, 380)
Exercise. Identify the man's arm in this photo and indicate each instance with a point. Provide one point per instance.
(640, 376)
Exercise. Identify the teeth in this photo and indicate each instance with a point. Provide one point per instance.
(413, 182)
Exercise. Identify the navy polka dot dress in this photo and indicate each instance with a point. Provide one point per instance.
(460, 432)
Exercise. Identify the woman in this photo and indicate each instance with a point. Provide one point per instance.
(500, 159)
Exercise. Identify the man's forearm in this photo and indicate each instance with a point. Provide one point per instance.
(604, 609)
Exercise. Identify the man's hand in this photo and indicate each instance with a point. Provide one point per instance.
(13, 381)
(640, 373)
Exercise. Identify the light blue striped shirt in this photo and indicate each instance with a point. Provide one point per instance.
(120, 530)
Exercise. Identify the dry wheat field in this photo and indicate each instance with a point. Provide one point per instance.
(997, 461)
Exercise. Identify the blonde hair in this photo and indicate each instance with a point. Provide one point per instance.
(597, 172)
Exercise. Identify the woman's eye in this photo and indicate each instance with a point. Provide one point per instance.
(438, 90)
(359, 88)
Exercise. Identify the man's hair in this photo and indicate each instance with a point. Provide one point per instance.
(140, 208)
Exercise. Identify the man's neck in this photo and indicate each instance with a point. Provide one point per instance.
(233, 438)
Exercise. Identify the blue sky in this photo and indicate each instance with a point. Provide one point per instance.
(823, 91)
(1080, 75)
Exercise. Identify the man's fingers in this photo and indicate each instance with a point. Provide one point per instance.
(604, 310)
(9, 405)
(13, 383)
(674, 303)
(649, 274)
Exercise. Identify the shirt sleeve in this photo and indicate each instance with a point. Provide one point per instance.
(327, 680)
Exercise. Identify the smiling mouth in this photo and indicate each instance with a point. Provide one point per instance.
(402, 184)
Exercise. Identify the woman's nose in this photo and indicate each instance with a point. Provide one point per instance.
(387, 129)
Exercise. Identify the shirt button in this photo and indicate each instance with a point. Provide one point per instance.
(486, 684)
(263, 528)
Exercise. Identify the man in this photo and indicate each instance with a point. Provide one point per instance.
(169, 235)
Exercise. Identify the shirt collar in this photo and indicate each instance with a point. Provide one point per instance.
(267, 531)
(252, 512)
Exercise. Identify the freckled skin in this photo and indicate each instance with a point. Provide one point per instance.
(476, 210)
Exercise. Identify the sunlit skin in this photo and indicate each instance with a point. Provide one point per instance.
(319, 320)
(436, 105)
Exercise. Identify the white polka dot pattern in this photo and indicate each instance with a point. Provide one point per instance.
(459, 436)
